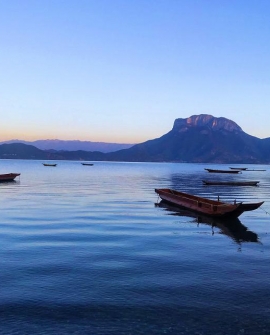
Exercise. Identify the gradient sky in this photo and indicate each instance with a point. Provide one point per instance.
(124, 70)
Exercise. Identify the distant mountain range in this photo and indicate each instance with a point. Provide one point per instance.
(73, 145)
(197, 139)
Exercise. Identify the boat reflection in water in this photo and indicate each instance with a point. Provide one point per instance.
(233, 228)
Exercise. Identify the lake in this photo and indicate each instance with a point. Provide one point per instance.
(84, 250)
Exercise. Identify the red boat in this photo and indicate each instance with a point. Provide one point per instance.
(8, 176)
(214, 208)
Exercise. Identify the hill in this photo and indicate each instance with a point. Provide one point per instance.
(24, 151)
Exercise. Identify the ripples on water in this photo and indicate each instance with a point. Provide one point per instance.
(84, 250)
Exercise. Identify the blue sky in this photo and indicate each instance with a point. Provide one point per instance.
(124, 70)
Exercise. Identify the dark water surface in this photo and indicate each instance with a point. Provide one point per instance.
(84, 250)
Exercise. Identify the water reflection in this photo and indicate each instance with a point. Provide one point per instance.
(188, 182)
(233, 228)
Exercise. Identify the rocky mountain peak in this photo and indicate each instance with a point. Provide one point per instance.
(205, 120)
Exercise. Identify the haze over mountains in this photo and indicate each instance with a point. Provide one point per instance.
(73, 145)
(197, 139)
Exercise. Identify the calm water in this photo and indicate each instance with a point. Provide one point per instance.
(84, 250)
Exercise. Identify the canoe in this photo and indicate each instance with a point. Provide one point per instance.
(223, 171)
(214, 208)
(232, 228)
(231, 183)
(240, 168)
(246, 169)
(89, 164)
(45, 164)
(255, 170)
(8, 176)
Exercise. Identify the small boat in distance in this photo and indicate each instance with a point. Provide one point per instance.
(89, 164)
(231, 183)
(213, 208)
(239, 168)
(46, 164)
(255, 170)
(8, 176)
(222, 171)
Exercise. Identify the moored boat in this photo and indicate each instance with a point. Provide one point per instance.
(231, 183)
(89, 164)
(222, 171)
(214, 208)
(46, 164)
(8, 176)
(239, 168)
(255, 170)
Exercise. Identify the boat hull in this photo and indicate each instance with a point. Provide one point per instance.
(8, 176)
(240, 168)
(222, 171)
(231, 183)
(205, 206)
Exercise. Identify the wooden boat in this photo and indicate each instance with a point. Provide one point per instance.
(255, 170)
(45, 164)
(232, 228)
(8, 176)
(89, 164)
(238, 168)
(246, 169)
(214, 208)
(231, 183)
(222, 171)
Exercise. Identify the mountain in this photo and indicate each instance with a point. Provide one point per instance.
(200, 139)
(197, 139)
(73, 145)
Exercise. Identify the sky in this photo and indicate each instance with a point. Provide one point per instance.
(123, 70)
